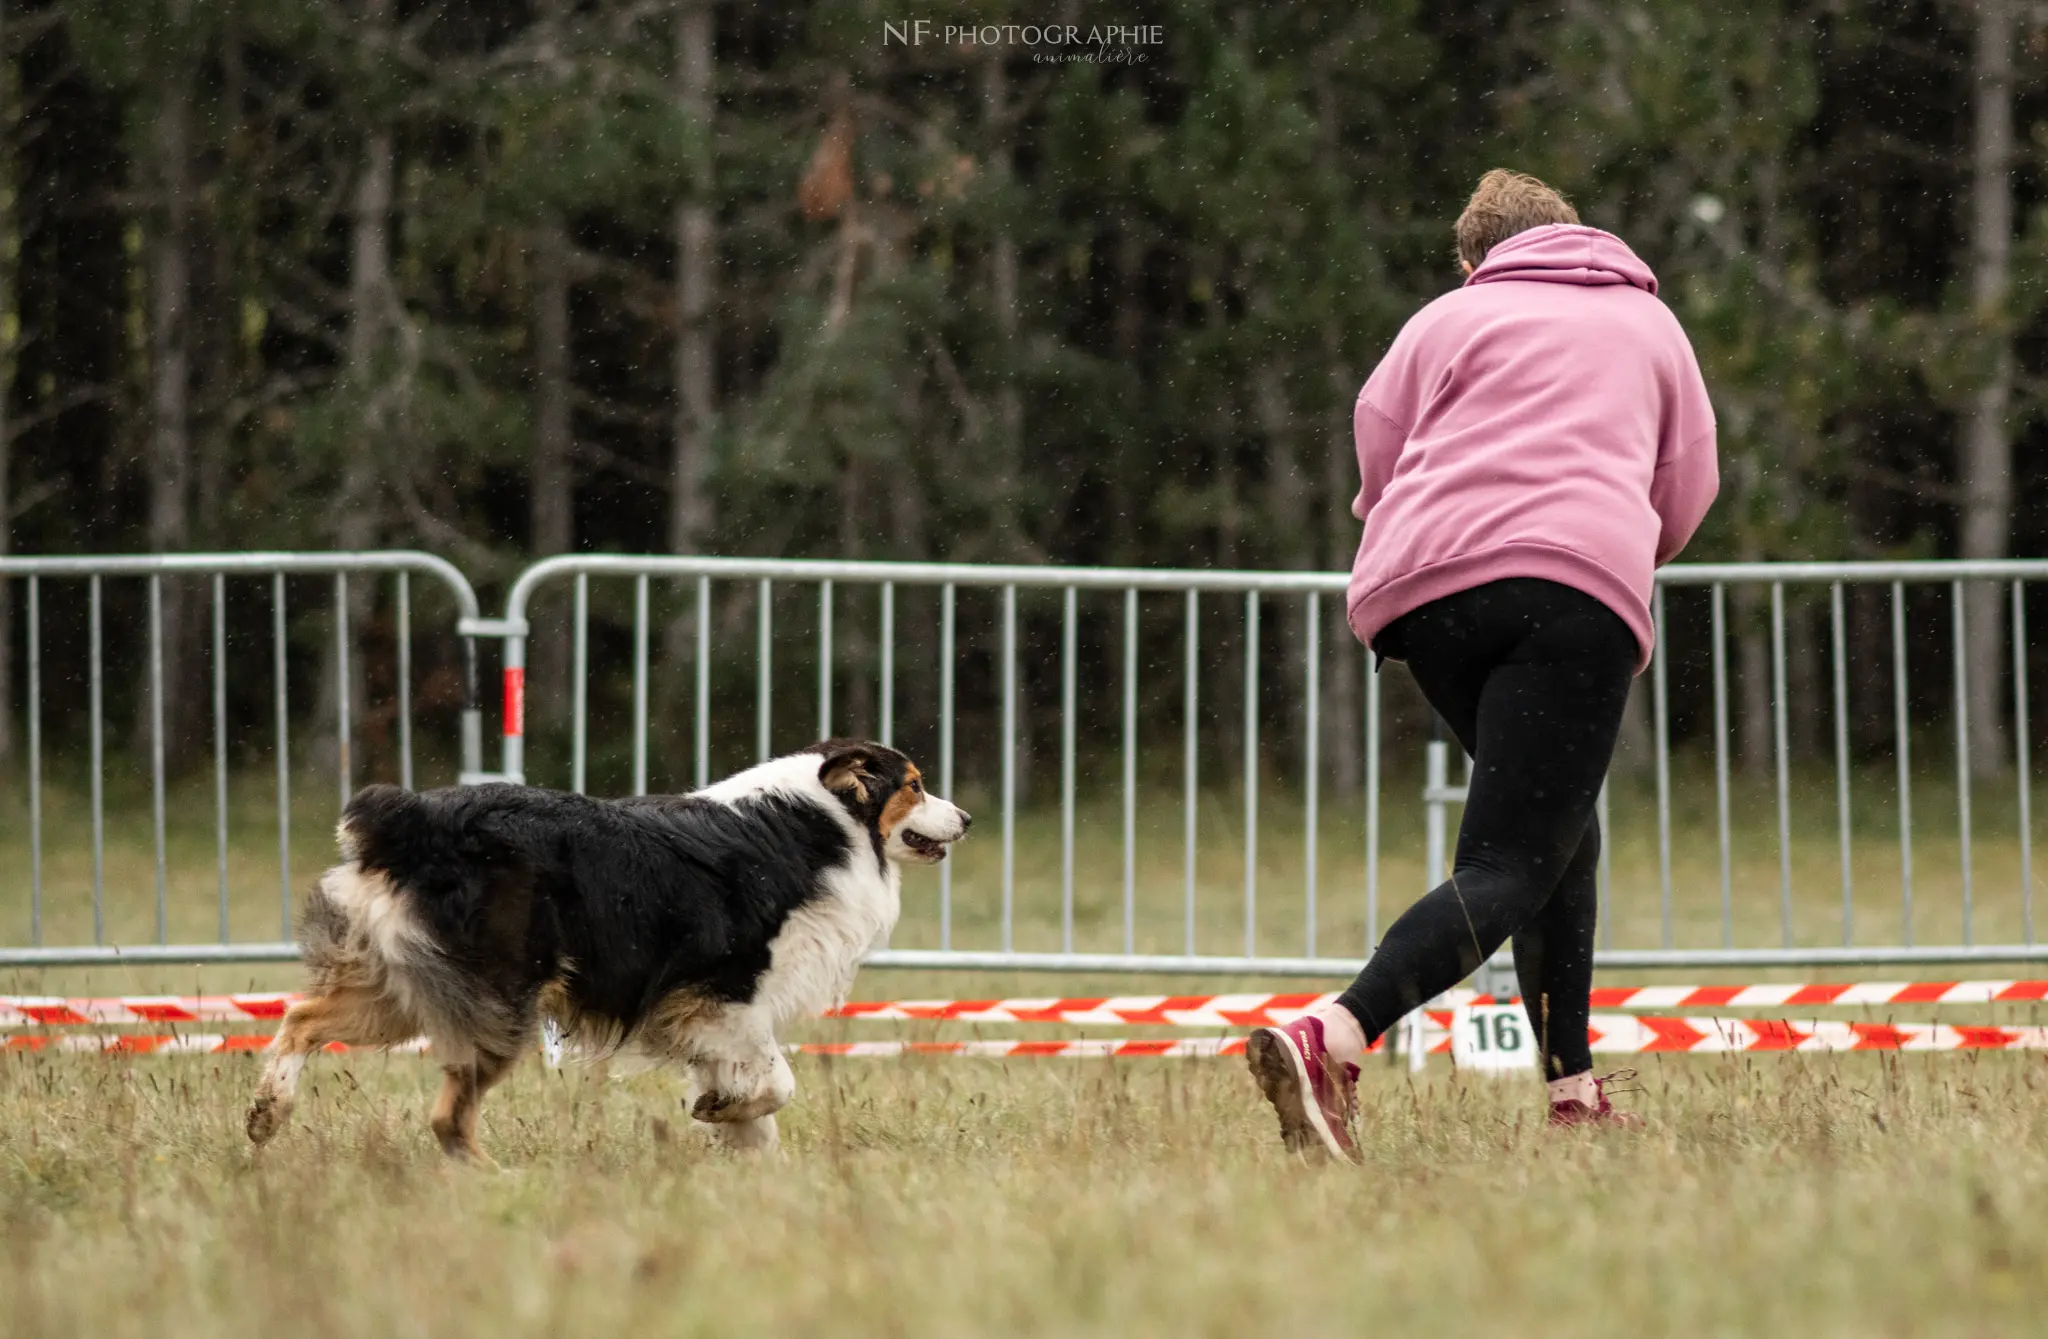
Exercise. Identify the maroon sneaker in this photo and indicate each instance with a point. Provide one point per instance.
(1603, 1114)
(1314, 1096)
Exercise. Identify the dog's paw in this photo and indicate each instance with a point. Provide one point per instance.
(266, 1118)
(724, 1108)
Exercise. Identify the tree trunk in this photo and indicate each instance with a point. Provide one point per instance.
(1752, 680)
(10, 109)
(373, 316)
(1343, 724)
(1003, 280)
(170, 441)
(1635, 748)
(1009, 418)
(1987, 446)
(1808, 690)
(691, 512)
(217, 354)
(1287, 505)
(551, 480)
(690, 507)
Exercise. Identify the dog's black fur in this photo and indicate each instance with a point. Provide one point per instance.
(621, 902)
(462, 913)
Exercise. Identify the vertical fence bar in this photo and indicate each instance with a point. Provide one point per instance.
(764, 669)
(1189, 732)
(1251, 773)
(344, 732)
(280, 703)
(886, 689)
(99, 797)
(579, 690)
(35, 759)
(1069, 632)
(1312, 754)
(1902, 726)
(1435, 779)
(1131, 771)
(1962, 695)
(156, 749)
(701, 771)
(1784, 762)
(1660, 701)
(946, 607)
(405, 680)
(1009, 766)
(825, 658)
(513, 735)
(2023, 758)
(1372, 804)
(1720, 620)
(640, 596)
(220, 743)
(1839, 625)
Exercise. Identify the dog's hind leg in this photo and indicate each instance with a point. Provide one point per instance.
(353, 1015)
(462, 1091)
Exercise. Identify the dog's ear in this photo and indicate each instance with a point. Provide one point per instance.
(846, 770)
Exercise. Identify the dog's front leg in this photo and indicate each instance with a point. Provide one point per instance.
(739, 1072)
(744, 1136)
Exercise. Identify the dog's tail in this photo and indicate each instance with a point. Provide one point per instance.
(386, 827)
(418, 894)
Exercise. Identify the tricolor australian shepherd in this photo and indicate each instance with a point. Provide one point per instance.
(693, 926)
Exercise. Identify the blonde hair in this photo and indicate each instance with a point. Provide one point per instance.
(1504, 204)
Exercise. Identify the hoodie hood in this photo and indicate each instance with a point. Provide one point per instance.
(1565, 253)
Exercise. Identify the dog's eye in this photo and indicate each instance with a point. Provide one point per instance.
(916, 786)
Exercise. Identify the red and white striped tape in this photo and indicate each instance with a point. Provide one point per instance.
(1610, 1034)
(1264, 1010)
(185, 1043)
(57, 1011)
(1233, 1011)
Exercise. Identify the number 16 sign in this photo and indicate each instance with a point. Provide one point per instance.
(1493, 1038)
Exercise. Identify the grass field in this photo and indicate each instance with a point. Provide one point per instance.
(1772, 1194)
(1781, 1195)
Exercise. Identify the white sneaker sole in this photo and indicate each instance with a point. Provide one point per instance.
(1282, 1075)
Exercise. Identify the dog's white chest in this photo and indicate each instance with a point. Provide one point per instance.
(813, 959)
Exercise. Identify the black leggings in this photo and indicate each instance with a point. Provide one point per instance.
(1532, 677)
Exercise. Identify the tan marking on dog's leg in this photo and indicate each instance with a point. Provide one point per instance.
(455, 1111)
(743, 1076)
(352, 1015)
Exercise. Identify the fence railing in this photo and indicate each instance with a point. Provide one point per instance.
(95, 574)
(1827, 674)
(1123, 590)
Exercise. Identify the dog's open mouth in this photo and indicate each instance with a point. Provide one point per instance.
(931, 848)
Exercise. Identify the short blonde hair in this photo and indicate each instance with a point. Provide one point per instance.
(1504, 204)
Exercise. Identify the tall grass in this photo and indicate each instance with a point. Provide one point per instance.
(1817, 1196)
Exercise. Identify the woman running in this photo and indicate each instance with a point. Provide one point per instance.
(1532, 447)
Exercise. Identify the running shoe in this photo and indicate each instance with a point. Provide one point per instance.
(1314, 1096)
(1603, 1112)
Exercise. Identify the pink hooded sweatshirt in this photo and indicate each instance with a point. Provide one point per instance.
(1545, 420)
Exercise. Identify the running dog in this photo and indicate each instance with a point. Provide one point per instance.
(693, 927)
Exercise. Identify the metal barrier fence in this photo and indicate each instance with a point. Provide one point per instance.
(948, 582)
(1148, 638)
(95, 573)
(2006, 583)
(1897, 581)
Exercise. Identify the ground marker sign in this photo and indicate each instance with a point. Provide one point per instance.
(1492, 1038)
